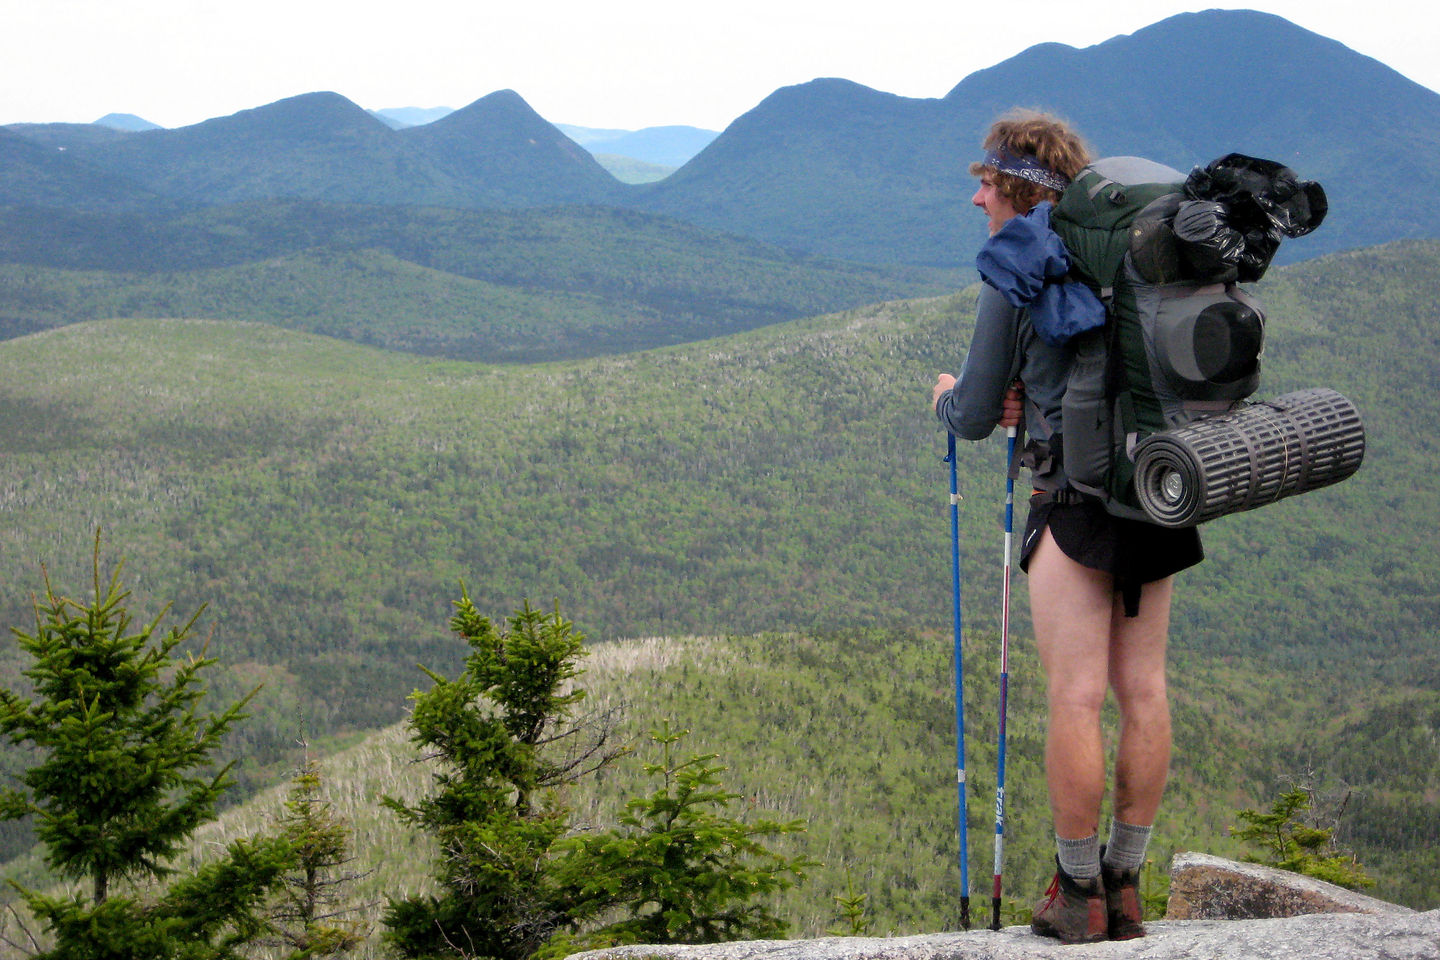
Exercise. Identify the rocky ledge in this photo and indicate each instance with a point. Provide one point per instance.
(1241, 912)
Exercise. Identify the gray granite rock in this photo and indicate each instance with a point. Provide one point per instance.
(1203, 887)
(1334, 936)
(1226, 904)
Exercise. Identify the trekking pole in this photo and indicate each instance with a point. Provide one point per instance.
(964, 811)
(1004, 678)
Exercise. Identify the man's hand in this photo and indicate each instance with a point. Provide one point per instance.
(1012, 407)
(943, 383)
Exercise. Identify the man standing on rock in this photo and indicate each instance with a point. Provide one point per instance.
(1085, 566)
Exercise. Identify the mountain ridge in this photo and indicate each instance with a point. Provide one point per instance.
(1254, 83)
(499, 285)
(833, 168)
(314, 146)
(42, 170)
(871, 161)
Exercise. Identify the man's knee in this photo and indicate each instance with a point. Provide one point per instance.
(1142, 700)
(1075, 699)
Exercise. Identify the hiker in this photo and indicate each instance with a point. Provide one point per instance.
(1087, 570)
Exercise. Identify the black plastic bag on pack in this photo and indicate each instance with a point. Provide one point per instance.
(1212, 249)
(1243, 207)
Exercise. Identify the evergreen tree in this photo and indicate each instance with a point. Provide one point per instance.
(506, 739)
(1289, 843)
(308, 915)
(120, 786)
(681, 869)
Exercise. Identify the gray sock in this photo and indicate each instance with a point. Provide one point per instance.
(1126, 849)
(1080, 859)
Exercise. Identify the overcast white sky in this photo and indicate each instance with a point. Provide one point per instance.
(624, 64)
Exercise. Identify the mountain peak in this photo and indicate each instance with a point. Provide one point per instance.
(325, 107)
(126, 121)
(825, 94)
(511, 154)
(307, 117)
(818, 105)
(502, 106)
(1218, 24)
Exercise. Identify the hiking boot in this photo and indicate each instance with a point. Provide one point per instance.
(1123, 912)
(1072, 911)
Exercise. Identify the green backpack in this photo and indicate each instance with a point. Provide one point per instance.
(1182, 340)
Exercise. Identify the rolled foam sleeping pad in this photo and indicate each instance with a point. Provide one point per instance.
(1257, 454)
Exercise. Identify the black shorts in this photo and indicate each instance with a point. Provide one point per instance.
(1131, 551)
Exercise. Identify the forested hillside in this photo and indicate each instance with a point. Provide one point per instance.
(483, 285)
(325, 499)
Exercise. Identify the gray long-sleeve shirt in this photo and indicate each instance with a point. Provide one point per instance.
(1005, 347)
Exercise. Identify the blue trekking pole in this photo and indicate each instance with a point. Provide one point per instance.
(964, 811)
(1004, 677)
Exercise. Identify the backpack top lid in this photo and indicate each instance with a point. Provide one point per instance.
(1222, 223)
(1134, 170)
(1096, 210)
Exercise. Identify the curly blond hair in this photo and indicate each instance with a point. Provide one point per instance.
(1051, 141)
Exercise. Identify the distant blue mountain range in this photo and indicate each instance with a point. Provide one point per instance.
(397, 117)
(669, 146)
(827, 167)
(672, 146)
(126, 121)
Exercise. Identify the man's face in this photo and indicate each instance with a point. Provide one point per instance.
(988, 198)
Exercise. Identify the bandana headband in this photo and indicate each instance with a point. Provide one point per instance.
(1026, 168)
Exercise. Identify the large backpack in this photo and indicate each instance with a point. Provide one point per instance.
(1182, 340)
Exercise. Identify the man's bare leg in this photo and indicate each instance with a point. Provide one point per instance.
(1137, 675)
(1071, 608)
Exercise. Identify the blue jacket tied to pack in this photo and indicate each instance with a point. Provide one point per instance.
(1026, 261)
